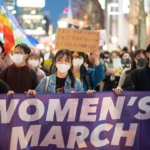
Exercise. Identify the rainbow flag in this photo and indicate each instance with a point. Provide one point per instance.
(13, 33)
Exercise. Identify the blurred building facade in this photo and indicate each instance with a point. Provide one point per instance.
(10, 4)
(32, 19)
(127, 23)
(85, 13)
(88, 13)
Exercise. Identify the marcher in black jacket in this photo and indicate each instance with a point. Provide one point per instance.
(139, 79)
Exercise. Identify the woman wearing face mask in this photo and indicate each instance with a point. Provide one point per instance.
(34, 63)
(111, 80)
(126, 65)
(48, 56)
(90, 77)
(126, 60)
(138, 61)
(63, 80)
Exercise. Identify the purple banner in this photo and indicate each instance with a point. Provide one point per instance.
(99, 121)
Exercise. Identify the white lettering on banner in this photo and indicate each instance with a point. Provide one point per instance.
(17, 135)
(55, 107)
(6, 115)
(73, 137)
(86, 109)
(95, 135)
(27, 103)
(69, 110)
(49, 139)
(108, 106)
(77, 134)
(143, 105)
(130, 135)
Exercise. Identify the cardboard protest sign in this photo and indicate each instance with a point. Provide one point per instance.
(117, 66)
(77, 40)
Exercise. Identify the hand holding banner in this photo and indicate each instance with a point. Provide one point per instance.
(75, 121)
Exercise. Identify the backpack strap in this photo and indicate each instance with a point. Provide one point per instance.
(32, 73)
(5, 73)
(46, 85)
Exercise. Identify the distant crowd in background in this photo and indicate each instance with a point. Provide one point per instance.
(65, 71)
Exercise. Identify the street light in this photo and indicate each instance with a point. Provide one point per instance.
(43, 21)
(114, 39)
(62, 24)
(147, 6)
(13, 11)
(33, 12)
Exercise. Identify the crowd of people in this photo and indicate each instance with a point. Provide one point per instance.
(65, 71)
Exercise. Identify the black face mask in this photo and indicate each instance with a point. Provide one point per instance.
(141, 62)
(106, 59)
(125, 63)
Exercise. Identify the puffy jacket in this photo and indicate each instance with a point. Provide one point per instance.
(138, 80)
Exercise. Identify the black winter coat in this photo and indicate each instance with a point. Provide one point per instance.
(138, 80)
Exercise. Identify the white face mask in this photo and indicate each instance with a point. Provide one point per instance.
(86, 65)
(77, 62)
(46, 56)
(33, 63)
(47, 49)
(41, 60)
(17, 58)
(62, 68)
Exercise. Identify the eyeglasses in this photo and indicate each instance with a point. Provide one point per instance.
(18, 53)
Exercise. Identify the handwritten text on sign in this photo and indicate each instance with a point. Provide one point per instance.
(77, 40)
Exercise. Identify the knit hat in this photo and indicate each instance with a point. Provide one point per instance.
(148, 48)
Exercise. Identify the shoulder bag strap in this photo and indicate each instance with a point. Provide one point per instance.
(46, 85)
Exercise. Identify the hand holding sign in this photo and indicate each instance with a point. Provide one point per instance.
(96, 56)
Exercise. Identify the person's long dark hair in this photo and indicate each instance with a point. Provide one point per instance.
(121, 56)
(133, 64)
(116, 52)
(2, 46)
(3, 50)
(59, 55)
